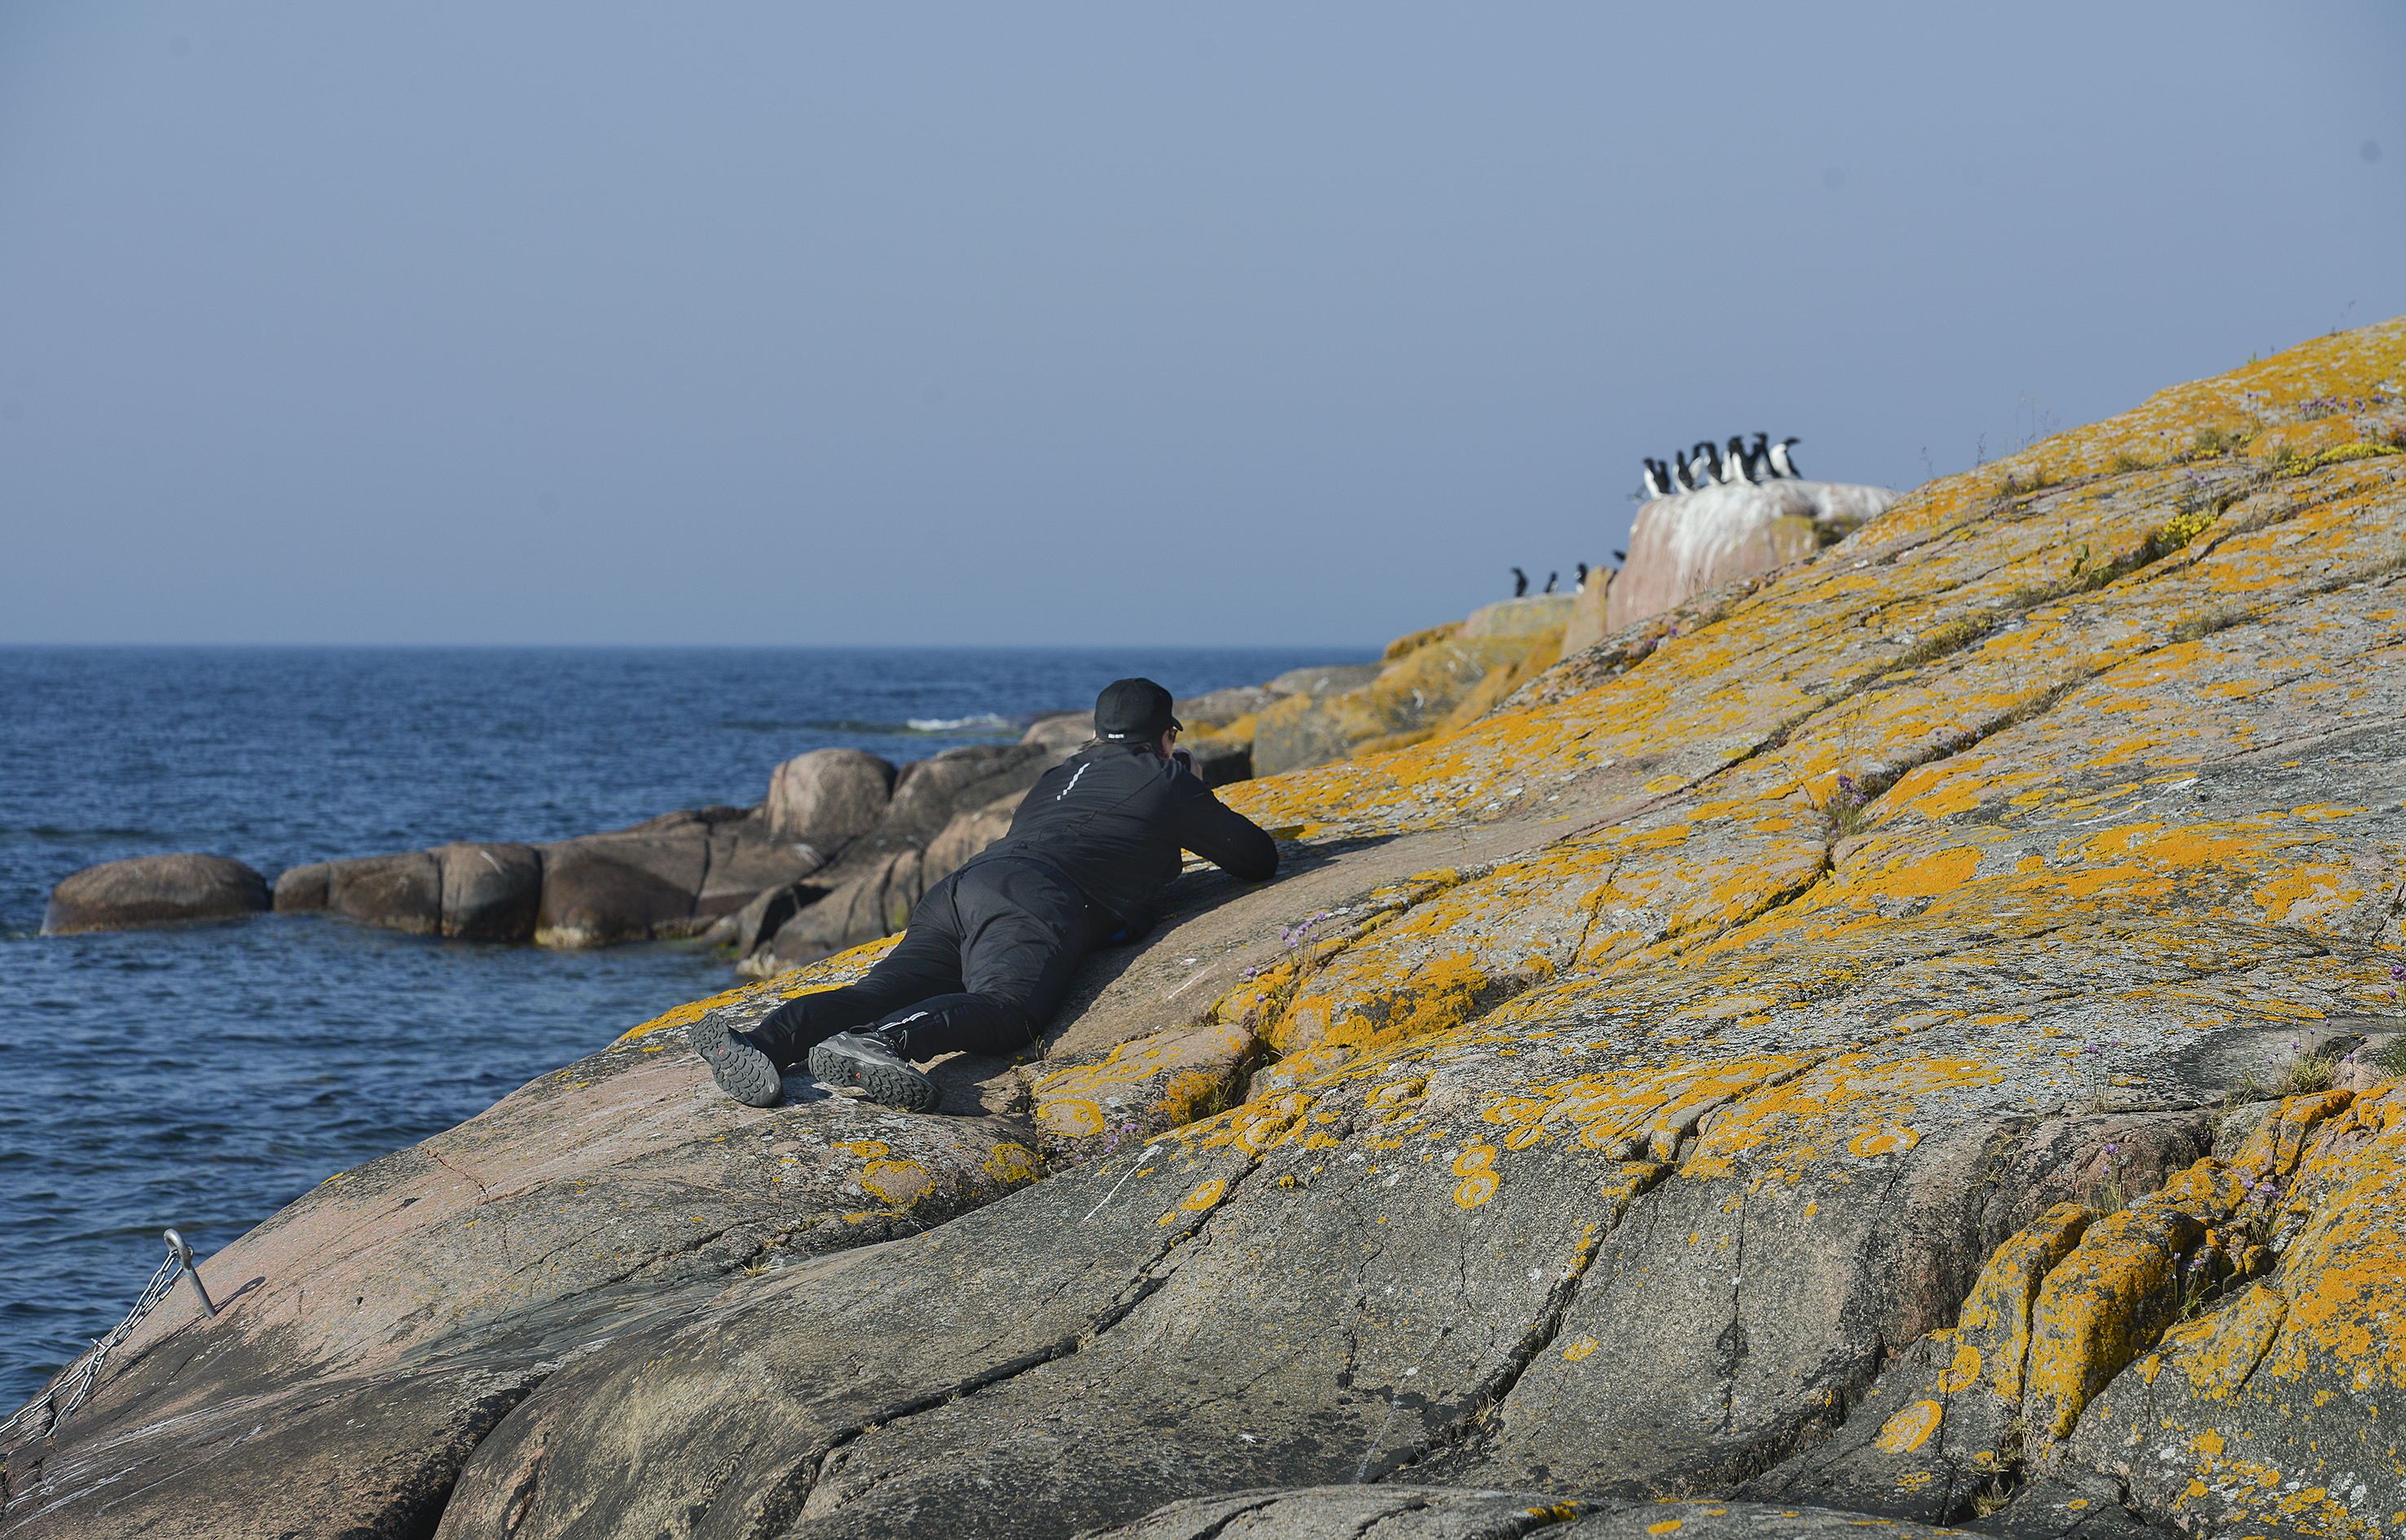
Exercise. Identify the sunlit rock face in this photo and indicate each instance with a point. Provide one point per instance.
(1909, 1037)
(1682, 544)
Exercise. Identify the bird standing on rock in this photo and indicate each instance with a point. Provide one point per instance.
(1520, 582)
(1707, 465)
(1553, 578)
(1582, 579)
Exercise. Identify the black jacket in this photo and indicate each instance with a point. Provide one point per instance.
(1112, 820)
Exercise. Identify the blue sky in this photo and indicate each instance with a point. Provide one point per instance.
(1064, 324)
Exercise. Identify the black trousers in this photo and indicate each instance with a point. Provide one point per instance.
(981, 969)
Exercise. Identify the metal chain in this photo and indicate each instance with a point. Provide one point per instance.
(79, 1376)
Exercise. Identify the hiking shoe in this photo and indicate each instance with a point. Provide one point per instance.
(868, 1062)
(741, 1070)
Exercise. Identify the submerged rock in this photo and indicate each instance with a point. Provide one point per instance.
(152, 890)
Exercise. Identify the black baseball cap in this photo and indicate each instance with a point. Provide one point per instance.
(1132, 709)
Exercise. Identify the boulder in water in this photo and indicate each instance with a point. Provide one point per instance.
(150, 890)
(402, 892)
(1065, 731)
(635, 885)
(929, 792)
(490, 892)
(828, 798)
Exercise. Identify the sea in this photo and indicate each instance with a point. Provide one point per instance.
(200, 1077)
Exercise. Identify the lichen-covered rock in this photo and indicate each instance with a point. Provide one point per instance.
(150, 890)
(1400, 1511)
(1403, 703)
(2270, 1405)
(1872, 1040)
(1222, 708)
(1533, 614)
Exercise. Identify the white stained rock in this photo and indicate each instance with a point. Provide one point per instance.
(1681, 546)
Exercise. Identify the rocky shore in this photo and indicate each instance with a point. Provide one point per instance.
(1907, 1037)
(844, 844)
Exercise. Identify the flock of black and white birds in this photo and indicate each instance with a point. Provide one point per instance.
(1521, 580)
(1706, 465)
(1709, 465)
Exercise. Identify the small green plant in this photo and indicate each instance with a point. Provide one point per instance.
(1222, 1096)
(1848, 813)
(1988, 1499)
(2219, 617)
(2391, 1057)
(2212, 441)
(2308, 1074)
(2125, 461)
(1829, 531)
(2185, 526)
(1952, 637)
(2200, 1280)
(2108, 1195)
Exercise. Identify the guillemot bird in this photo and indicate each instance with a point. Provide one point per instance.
(1705, 463)
(1782, 462)
(1760, 458)
(1553, 578)
(1520, 582)
(1655, 473)
(1582, 579)
(1733, 466)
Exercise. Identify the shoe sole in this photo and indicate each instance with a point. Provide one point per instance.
(741, 1070)
(904, 1088)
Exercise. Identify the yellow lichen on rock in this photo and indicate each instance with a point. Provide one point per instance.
(2276, 1407)
(1995, 1326)
(826, 973)
(2105, 1304)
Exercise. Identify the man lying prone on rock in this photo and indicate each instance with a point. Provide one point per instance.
(990, 949)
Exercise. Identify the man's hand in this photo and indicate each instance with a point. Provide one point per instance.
(1182, 756)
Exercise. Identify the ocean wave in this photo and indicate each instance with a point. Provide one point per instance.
(987, 722)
